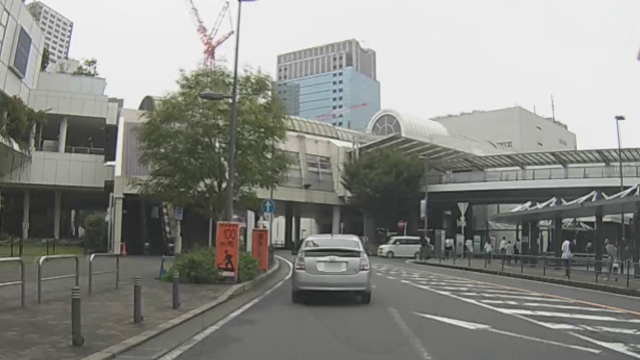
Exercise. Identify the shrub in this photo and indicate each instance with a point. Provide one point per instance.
(197, 266)
(95, 232)
(248, 268)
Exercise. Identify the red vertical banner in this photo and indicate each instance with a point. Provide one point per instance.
(228, 248)
(260, 248)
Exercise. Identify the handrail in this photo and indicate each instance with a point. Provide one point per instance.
(92, 257)
(21, 281)
(43, 259)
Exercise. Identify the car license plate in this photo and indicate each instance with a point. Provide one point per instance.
(332, 266)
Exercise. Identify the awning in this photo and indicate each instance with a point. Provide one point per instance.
(627, 201)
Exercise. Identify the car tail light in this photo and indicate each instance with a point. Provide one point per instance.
(364, 263)
(300, 263)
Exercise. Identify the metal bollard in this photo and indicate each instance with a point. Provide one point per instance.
(76, 324)
(137, 300)
(176, 290)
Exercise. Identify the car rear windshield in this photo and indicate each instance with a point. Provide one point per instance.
(331, 243)
(332, 252)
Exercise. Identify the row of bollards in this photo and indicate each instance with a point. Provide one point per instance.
(76, 314)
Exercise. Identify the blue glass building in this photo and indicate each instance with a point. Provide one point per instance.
(335, 83)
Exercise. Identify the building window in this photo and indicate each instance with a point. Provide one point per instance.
(334, 74)
(540, 144)
(340, 115)
(539, 127)
(340, 98)
(334, 83)
(334, 99)
(340, 73)
(340, 82)
(339, 106)
(334, 91)
(340, 90)
(505, 144)
(21, 58)
(562, 142)
(334, 107)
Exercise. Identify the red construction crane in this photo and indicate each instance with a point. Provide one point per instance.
(208, 37)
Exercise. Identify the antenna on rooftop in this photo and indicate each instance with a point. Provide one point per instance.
(553, 108)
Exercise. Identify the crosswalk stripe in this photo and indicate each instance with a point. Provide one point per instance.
(562, 326)
(566, 315)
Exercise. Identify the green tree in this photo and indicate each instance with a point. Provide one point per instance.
(384, 184)
(185, 142)
(17, 119)
(89, 67)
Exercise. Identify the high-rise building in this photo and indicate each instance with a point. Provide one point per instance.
(56, 28)
(335, 83)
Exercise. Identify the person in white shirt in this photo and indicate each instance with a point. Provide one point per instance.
(566, 254)
(503, 245)
(488, 250)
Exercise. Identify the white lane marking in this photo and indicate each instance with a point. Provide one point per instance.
(619, 347)
(413, 339)
(498, 291)
(390, 277)
(512, 297)
(178, 351)
(560, 326)
(566, 315)
(566, 307)
(476, 326)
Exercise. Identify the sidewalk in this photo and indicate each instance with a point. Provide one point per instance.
(579, 275)
(44, 331)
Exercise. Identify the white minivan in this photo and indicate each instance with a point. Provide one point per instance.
(400, 246)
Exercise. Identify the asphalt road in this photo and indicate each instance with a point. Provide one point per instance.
(420, 312)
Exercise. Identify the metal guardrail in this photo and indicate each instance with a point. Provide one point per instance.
(18, 282)
(551, 266)
(40, 263)
(92, 258)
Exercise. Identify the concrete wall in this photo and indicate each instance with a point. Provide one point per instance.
(10, 82)
(512, 129)
(71, 95)
(61, 169)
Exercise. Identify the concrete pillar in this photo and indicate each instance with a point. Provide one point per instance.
(26, 203)
(32, 138)
(62, 135)
(335, 220)
(298, 227)
(635, 246)
(557, 236)
(118, 200)
(143, 223)
(57, 209)
(599, 235)
(288, 226)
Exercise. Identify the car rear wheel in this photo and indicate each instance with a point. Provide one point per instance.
(365, 297)
(296, 297)
(390, 254)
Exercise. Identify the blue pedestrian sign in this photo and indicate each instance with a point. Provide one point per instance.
(268, 207)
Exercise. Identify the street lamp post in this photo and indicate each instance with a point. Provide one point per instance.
(233, 124)
(618, 119)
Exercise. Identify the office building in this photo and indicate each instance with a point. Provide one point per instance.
(334, 83)
(513, 129)
(56, 28)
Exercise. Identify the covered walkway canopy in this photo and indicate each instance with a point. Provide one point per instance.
(452, 152)
(593, 203)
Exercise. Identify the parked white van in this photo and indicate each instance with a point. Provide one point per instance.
(400, 246)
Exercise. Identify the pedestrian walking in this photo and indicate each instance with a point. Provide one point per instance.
(566, 255)
(516, 250)
(612, 253)
(448, 247)
(509, 251)
(488, 250)
(589, 247)
(503, 246)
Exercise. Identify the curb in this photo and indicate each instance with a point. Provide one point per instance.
(114, 350)
(578, 284)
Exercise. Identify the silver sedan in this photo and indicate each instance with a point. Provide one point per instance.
(332, 263)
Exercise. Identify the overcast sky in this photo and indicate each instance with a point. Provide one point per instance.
(434, 57)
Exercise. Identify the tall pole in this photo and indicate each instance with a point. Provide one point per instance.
(233, 124)
(621, 244)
